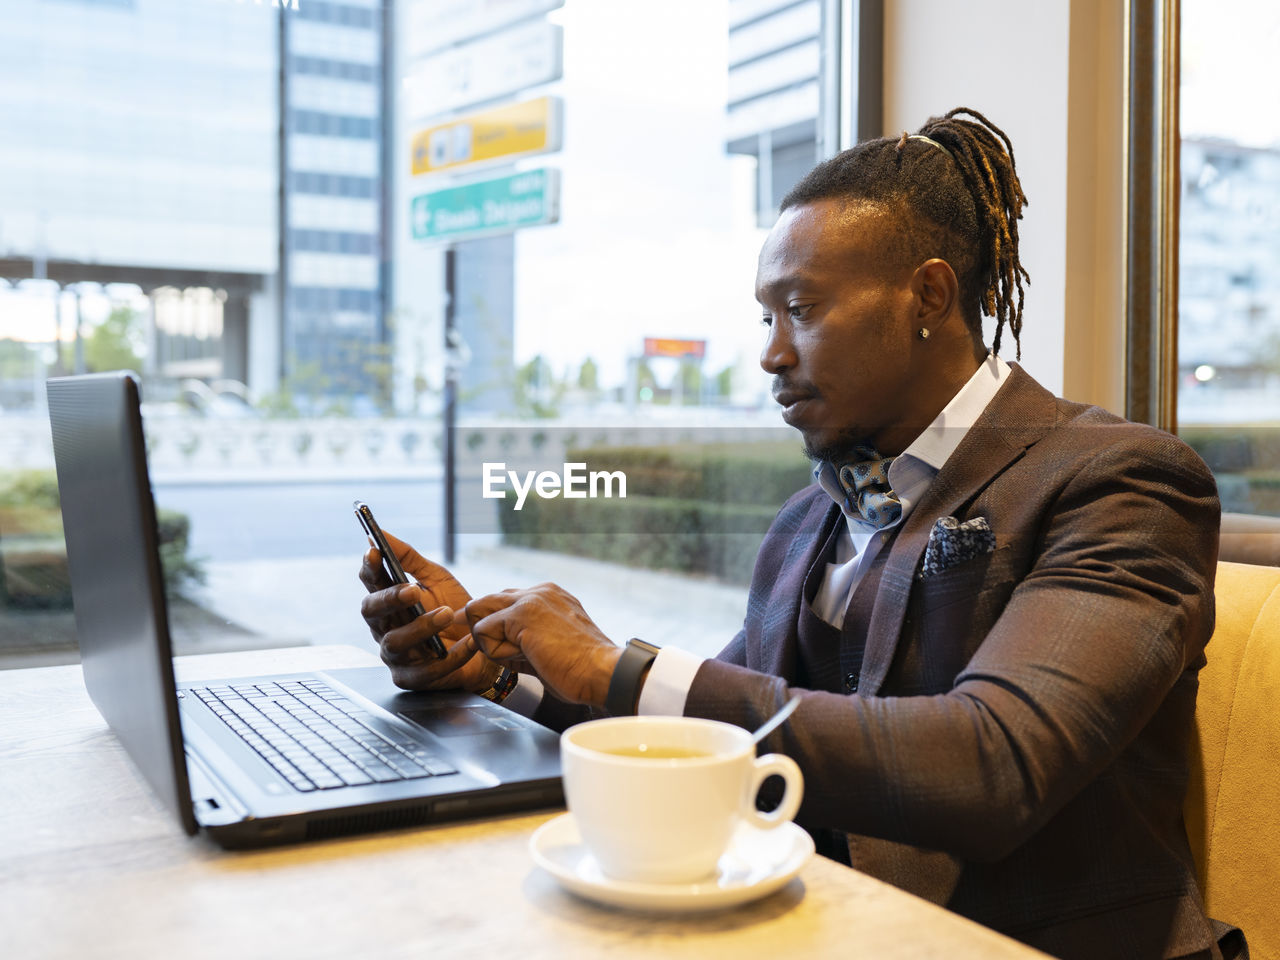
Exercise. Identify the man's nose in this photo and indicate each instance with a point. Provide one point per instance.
(778, 353)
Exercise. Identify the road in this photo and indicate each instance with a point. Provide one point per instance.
(281, 560)
(268, 521)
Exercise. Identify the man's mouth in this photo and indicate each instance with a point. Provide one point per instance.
(793, 403)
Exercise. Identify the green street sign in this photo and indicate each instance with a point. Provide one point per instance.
(487, 207)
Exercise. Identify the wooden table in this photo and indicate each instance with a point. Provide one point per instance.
(92, 866)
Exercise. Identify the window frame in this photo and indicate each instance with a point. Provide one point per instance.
(1152, 196)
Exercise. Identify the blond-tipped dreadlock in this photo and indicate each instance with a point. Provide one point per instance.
(959, 179)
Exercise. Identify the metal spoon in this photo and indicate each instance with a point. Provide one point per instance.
(775, 721)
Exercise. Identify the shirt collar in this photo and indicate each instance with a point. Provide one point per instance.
(940, 438)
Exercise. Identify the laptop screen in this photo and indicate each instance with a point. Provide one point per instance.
(117, 585)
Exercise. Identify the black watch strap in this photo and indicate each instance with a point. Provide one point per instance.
(628, 675)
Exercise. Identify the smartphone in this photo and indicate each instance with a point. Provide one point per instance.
(391, 565)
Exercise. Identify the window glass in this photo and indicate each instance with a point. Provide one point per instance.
(1229, 269)
(279, 213)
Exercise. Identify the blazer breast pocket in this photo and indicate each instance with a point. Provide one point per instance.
(963, 581)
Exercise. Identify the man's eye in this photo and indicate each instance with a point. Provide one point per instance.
(767, 320)
(797, 310)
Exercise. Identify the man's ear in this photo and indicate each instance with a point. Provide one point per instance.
(936, 290)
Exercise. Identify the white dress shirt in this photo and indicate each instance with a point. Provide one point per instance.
(667, 685)
(909, 475)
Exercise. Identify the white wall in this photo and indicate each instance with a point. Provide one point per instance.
(1047, 74)
(1094, 347)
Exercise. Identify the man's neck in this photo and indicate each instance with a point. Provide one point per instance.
(939, 386)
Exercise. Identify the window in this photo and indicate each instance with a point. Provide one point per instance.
(291, 342)
(1228, 387)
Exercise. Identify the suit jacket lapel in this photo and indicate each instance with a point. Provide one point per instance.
(779, 643)
(1020, 414)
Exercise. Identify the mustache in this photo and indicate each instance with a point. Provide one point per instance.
(786, 391)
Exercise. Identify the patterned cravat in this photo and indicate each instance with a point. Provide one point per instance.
(866, 485)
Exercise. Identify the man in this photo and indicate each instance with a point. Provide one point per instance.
(993, 602)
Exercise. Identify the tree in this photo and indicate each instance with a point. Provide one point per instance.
(16, 360)
(724, 382)
(536, 388)
(116, 343)
(690, 374)
(589, 376)
(644, 375)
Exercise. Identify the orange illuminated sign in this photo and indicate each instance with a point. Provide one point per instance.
(667, 347)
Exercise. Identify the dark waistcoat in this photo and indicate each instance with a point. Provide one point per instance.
(830, 658)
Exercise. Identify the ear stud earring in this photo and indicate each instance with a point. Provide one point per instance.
(923, 333)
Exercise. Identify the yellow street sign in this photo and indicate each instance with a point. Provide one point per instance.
(501, 133)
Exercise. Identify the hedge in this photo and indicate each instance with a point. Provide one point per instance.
(1236, 448)
(693, 509)
(33, 561)
(1246, 460)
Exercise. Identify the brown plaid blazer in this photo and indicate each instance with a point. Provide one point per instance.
(1015, 749)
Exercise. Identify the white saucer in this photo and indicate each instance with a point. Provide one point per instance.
(757, 863)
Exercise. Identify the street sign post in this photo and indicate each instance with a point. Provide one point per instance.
(501, 133)
(488, 207)
(479, 51)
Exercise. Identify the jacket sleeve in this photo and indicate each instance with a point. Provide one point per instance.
(1116, 606)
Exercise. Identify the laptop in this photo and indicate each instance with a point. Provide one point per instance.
(252, 761)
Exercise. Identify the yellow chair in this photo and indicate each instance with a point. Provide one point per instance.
(1233, 800)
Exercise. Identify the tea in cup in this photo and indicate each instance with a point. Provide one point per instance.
(657, 799)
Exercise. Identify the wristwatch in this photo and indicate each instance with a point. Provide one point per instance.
(628, 676)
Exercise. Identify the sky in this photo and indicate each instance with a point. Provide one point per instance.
(1230, 65)
(657, 235)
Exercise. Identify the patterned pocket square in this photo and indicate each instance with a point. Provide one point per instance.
(952, 542)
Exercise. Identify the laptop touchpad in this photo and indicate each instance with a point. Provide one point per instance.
(457, 721)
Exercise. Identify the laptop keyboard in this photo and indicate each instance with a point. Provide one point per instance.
(316, 738)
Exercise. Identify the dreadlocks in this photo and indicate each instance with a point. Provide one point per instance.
(958, 178)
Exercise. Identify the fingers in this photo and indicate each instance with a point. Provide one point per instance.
(414, 563)
(498, 637)
(481, 607)
(398, 642)
(546, 628)
(389, 601)
(414, 671)
(495, 624)
(372, 575)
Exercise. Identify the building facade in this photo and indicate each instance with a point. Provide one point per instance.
(335, 98)
(774, 93)
(226, 157)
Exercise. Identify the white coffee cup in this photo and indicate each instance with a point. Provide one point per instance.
(648, 816)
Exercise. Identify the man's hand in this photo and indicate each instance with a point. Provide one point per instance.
(547, 628)
(400, 635)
